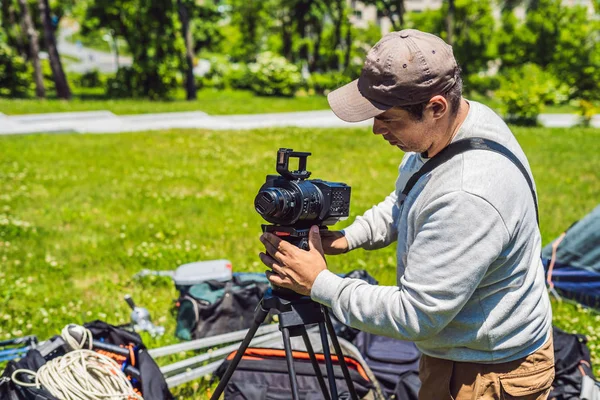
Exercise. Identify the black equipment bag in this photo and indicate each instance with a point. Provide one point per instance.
(262, 374)
(395, 364)
(572, 363)
(216, 307)
(152, 383)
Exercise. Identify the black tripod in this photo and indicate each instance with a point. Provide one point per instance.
(294, 314)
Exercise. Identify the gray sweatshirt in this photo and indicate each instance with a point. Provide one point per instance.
(470, 282)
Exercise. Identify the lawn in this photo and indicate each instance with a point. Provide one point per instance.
(81, 214)
(209, 100)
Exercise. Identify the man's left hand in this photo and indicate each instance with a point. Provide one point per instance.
(291, 267)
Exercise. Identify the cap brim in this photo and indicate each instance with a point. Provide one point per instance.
(350, 105)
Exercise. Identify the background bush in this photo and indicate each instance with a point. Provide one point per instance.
(273, 75)
(524, 91)
(323, 83)
(16, 79)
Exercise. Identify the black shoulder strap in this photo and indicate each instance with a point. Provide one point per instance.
(460, 146)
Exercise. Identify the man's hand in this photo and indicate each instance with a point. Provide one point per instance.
(293, 268)
(334, 242)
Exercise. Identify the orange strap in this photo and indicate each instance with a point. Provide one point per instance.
(254, 353)
(553, 259)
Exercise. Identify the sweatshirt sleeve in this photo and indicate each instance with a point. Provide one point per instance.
(458, 237)
(376, 228)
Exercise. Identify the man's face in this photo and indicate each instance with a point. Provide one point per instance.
(399, 128)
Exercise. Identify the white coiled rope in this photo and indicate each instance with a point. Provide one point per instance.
(81, 374)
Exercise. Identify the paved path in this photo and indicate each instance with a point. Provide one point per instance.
(107, 122)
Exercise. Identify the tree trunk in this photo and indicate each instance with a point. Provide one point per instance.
(60, 80)
(400, 10)
(389, 13)
(286, 37)
(316, 57)
(337, 32)
(450, 22)
(34, 49)
(348, 46)
(190, 83)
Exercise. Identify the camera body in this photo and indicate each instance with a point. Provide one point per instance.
(293, 203)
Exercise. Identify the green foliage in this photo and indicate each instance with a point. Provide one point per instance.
(250, 21)
(132, 82)
(273, 75)
(481, 83)
(91, 79)
(328, 81)
(153, 34)
(224, 74)
(524, 91)
(474, 32)
(576, 57)
(204, 24)
(565, 39)
(16, 79)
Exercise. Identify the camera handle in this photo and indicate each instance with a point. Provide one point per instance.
(283, 158)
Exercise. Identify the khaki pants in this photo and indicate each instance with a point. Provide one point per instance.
(528, 378)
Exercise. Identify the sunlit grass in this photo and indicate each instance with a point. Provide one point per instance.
(218, 102)
(81, 214)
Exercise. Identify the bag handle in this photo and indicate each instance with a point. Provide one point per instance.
(459, 147)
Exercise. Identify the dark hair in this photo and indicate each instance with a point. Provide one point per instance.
(452, 95)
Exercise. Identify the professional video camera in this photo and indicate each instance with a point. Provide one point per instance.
(293, 203)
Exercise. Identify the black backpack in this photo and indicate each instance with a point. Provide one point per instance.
(572, 363)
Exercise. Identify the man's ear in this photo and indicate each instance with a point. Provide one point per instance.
(438, 106)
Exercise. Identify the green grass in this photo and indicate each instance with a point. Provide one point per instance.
(209, 100)
(81, 214)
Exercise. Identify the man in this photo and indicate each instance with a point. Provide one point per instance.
(470, 290)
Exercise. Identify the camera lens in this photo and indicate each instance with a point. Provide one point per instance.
(273, 202)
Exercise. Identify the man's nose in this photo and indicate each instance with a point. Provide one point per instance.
(379, 127)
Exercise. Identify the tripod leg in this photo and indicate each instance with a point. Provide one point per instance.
(259, 317)
(315, 364)
(328, 361)
(290, 362)
(340, 355)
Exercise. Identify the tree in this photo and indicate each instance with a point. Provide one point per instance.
(15, 76)
(60, 80)
(394, 10)
(474, 32)
(251, 18)
(450, 22)
(190, 84)
(34, 49)
(151, 29)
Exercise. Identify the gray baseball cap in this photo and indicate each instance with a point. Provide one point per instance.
(403, 68)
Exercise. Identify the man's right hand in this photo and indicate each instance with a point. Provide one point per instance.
(334, 242)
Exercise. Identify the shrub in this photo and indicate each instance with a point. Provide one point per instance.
(328, 81)
(91, 79)
(225, 74)
(273, 75)
(16, 79)
(135, 82)
(482, 84)
(524, 91)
